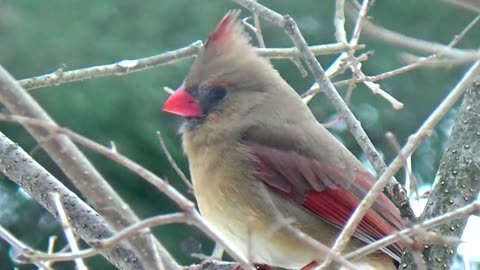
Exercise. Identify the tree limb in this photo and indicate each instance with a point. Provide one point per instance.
(19, 167)
(458, 179)
(80, 171)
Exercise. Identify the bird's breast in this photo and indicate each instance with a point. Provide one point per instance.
(245, 212)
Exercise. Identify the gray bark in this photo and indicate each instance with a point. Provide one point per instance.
(19, 167)
(80, 171)
(457, 183)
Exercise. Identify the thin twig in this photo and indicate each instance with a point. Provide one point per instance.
(17, 245)
(78, 168)
(258, 31)
(126, 67)
(286, 223)
(120, 68)
(471, 5)
(465, 211)
(410, 179)
(414, 141)
(339, 22)
(420, 62)
(135, 228)
(359, 23)
(38, 183)
(186, 205)
(67, 229)
(331, 73)
(173, 163)
(419, 45)
(51, 247)
(183, 203)
(394, 189)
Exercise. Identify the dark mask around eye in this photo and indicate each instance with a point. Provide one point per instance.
(210, 98)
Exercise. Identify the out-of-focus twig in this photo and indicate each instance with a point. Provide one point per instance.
(472, 209)
(173, 163)
(20, 168)
(472, 5)
(397, 39)
(81, 171)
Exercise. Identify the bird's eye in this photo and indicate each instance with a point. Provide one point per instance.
(216, 94)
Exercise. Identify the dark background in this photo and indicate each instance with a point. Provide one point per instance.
(37, 37)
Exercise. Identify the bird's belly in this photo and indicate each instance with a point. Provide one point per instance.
(253, 229)
(256, 241)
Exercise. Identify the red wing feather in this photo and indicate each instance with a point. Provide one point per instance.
(327, 192)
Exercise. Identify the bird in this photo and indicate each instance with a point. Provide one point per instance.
(260, 161)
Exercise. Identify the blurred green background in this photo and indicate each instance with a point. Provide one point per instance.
(37, 37)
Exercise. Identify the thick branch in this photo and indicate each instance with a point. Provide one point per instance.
(19, 167)
(458, 179)
(79, 170)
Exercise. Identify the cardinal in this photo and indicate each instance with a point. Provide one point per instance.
(258, 158)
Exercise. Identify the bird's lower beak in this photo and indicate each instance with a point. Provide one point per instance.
(183, 103)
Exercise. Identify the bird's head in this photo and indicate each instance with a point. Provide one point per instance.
(226, 82)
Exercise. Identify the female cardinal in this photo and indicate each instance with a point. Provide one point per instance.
(258, 157)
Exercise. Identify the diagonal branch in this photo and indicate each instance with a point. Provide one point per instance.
(19, 167)
(398, 39)
(80, 171)
(286, 22)
(183, 203)
(458, 178)
(289, 25)
(67, 228)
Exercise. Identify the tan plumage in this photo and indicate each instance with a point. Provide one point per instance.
(243, 120)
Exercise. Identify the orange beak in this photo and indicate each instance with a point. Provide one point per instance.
(183, 103)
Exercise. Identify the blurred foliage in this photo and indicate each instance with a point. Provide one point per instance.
(38, 37)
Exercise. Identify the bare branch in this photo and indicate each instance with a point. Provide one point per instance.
(100, 244)
(339, 22)
(186, 205)
(472, 209)
(55, 197)
(120, 68)
(410, 179)
(173, 163)
(472, 5)
(258, 32)
(358, 24)
(423, 132)
(458, 178)
(287, 23)
(80, 171)
(126, 67)
(135, 228)
(419, 45)
(38, 183)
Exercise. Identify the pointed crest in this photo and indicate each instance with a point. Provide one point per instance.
(227, 55)
(228, 30)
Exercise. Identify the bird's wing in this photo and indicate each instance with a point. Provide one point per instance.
(331, 191)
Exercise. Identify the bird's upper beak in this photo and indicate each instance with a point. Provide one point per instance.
(183, 103)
